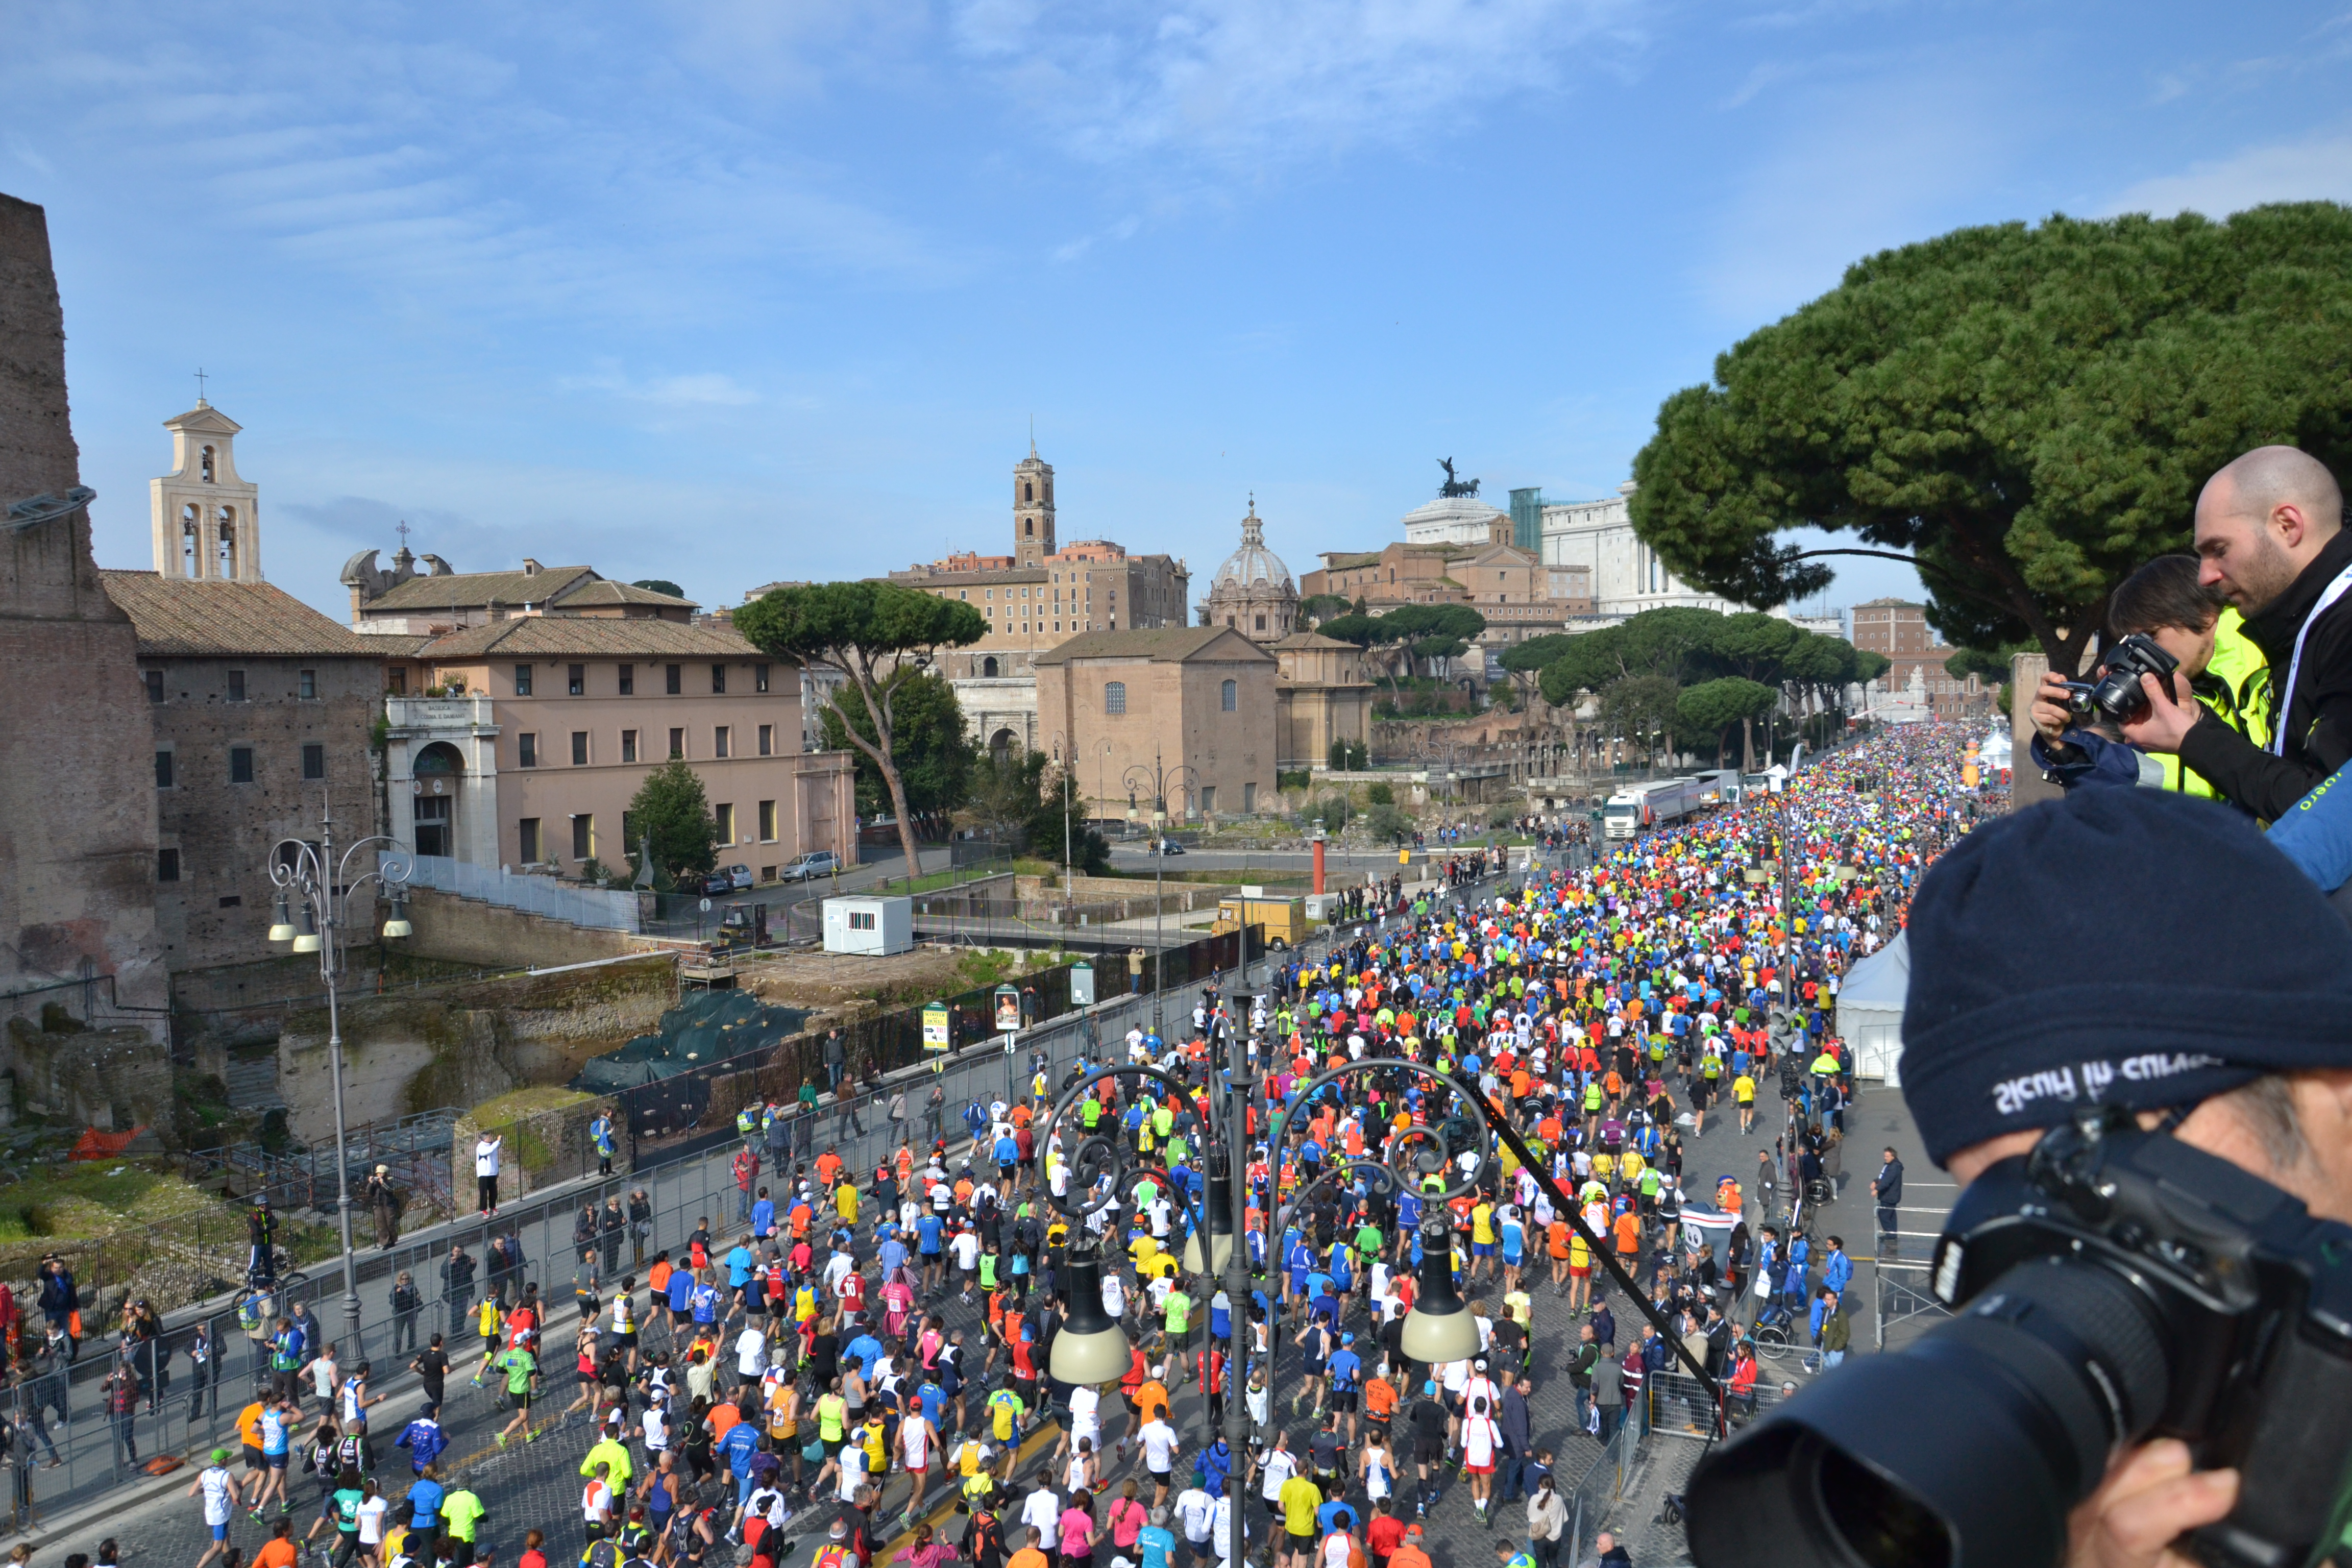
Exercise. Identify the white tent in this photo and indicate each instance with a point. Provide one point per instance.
(1870, 1011)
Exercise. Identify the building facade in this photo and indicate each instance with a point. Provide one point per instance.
(1625, 575)
(401, 600)
(1201, 703)
(1322, 695)
(262, 710)
(1916, 681)
(522, 741)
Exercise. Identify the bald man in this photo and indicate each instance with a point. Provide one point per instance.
(2270, 535)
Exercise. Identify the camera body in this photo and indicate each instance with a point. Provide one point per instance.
(2251, 1299)
(2113, 1285)
(2116, 694)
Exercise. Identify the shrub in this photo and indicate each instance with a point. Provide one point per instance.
(1381, 794)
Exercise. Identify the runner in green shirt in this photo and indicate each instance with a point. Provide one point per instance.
(522, 1381)
(461, 1514)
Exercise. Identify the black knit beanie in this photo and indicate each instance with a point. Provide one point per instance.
(2121, 946)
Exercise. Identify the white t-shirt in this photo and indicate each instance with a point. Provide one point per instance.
(1114, 1296)
(372, 1512)
(967, 1249)
(596, 1501)
(220, 1488)
(1279, 1468)
(1043, 1512)
(751, 1353)
(1195, 1508)
(1160, 1442)
(486, 1158)
(1086, 1413)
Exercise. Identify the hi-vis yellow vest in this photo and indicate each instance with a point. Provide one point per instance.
(2234, 689)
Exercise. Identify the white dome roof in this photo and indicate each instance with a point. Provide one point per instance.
(1253, 566)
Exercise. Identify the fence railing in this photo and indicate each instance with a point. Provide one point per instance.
(602, 909)
(1594, 1496)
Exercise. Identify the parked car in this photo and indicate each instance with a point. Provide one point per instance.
(740, 879)
(717, 882)
(816, 863)
(1169, 846)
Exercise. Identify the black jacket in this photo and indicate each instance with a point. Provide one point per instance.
(2317, 717)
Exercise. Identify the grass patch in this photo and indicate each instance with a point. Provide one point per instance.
(525, 1102)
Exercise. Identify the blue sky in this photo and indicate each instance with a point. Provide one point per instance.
(728, 292)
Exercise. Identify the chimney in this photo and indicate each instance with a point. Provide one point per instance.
(530, 567)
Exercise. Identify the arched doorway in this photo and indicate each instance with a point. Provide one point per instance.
(437, 769)
(988, 667)
(1000, 747)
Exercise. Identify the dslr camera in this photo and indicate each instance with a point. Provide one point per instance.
(2112, 1287)
(2116, 694)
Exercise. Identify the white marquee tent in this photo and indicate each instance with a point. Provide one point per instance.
(1870, 1011)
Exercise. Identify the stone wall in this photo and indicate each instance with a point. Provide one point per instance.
(113, 1079)
(465, 1043)
(472, 931)
(77, 790)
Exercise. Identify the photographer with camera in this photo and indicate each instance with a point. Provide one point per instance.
(2269, 534)
(2077, 740)
(2150, 1258)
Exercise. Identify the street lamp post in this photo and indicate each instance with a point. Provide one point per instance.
(1156, 779)
(316, 881)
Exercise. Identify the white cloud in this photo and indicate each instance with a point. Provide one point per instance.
(2314, 170)
(1243, 80)
(700, 389)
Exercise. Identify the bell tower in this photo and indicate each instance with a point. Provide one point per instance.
(206, 520)
(1033, 510)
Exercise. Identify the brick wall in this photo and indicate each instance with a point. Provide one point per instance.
(219, 911)
(76, 812)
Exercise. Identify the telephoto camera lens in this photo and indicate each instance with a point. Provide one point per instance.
(1966, 1450)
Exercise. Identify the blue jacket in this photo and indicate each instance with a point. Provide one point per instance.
(2316, 832)
(425, 1441)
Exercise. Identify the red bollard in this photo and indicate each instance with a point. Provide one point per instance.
(1318, 866)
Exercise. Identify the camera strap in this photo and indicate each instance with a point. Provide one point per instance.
(2334, 591)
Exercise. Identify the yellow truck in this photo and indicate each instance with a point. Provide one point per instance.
(1285, 920)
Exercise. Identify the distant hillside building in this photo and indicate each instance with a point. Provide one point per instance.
(1625, 575)
(1916, 678)
(1035, 599)
(401, 600)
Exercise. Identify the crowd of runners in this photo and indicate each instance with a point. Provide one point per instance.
(874, 1345)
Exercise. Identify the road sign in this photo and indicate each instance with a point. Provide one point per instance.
(706, 906)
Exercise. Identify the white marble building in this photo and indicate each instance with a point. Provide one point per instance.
(1456, 520)
(1627, 575)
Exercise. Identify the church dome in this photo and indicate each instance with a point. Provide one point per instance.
(1253, 566)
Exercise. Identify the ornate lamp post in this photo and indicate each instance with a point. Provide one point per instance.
(313, 887)
(1154, 780)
